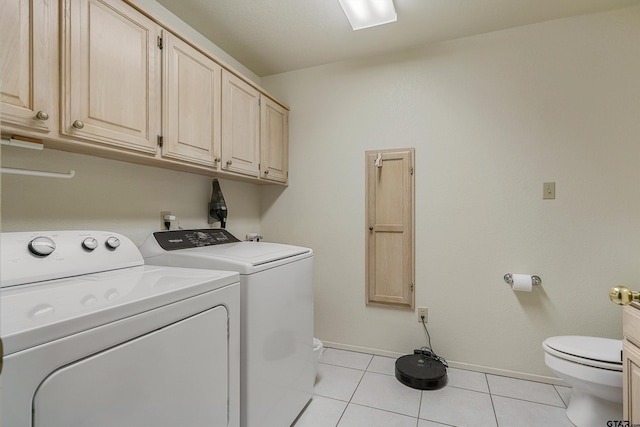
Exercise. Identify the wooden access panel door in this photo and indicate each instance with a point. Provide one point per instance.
(26, 62)
(390, 259)
(111, 74)
(192, 88)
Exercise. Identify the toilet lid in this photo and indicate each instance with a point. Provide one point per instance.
(592, 348)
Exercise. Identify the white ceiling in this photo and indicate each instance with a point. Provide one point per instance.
(275, 36)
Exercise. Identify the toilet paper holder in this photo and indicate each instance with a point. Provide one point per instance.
(535, 280)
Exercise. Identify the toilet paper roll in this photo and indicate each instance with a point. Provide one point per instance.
(522, 283)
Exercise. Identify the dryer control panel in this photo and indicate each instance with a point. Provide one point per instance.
(185, 239)
(35, 256)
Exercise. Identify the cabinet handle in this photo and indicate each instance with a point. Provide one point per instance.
(41, 115)
(266, 172)
(370, 228)
(623, 296)
(78, 124)
(217, 160)
(229, 162)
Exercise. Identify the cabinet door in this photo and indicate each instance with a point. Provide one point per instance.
(274, 141)
(191, 114)
(240, 126)
(389, 198)
(631, 363)
(631, 381)
(26, 63)
(111, 83)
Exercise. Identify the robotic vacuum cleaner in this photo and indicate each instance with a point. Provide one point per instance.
(421, 371)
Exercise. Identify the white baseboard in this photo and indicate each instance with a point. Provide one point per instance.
(453, 364)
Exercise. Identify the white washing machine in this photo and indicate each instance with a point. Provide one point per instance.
(93, 337)
(276, 320)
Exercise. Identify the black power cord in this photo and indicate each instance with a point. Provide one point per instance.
(428, 350)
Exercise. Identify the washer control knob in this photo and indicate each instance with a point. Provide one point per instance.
(42, 246)
(113, 242)
(89, 243)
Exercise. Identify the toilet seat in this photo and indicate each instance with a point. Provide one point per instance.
(603, 353)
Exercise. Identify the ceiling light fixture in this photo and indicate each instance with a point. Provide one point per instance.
(368, 13)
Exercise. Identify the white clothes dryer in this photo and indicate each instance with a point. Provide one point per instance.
(276, 319)
(93, 337)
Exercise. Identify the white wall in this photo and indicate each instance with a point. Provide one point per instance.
(114, 196)
(491, 117)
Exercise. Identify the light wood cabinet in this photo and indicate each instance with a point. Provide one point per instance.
(274, 141)
(390, 205)
(631, 363)
(191, 104)
(100, 77)
(240, 126)
(110, 75)
(27, 64)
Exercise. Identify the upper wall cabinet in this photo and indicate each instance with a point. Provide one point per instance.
(26, 65)
(110, 75)
(102, 78)
(191, 109)
(274, 141)
(240, 126)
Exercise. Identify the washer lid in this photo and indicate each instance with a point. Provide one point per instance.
(253, 253)
(592, 348)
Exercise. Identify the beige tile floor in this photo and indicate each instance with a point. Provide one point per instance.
(360, 390)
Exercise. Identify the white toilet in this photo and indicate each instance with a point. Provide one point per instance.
(593, 367)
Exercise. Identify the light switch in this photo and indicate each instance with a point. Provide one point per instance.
(549, 190)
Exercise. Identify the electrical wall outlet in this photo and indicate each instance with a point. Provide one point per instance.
(422, 311)
(162, 220)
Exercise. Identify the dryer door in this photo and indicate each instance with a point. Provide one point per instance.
(174, 376)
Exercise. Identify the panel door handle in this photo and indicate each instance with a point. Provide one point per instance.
(78, 124)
